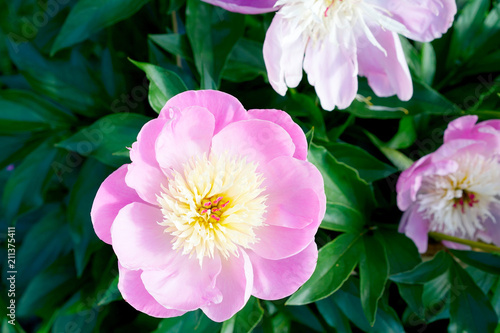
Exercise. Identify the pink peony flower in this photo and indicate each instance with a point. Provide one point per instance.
(218, 204)
(456, 189)
(337, 40)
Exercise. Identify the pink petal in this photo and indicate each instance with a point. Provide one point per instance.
(275, 279)
(455, 246)
(284, 48)
(258, 140)
(387, 74)
(112, 196)
(245, 6)
(184, 285)
(425, 19)
(138, 240)
(296, 195)
(416, 228)
(144, 174)
(491, 232)
(460, 128)
(133, 291)
(332, 70)
(284, 120)
(235, 283)
(465, 128)
(280, 242)
(225, 108)
(188, 134)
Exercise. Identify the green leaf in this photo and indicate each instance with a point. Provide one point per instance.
(24, 111)
(346, 193)
(426, 271)
(348, 300)
(336, 261)
(164, 84)
(374, 270)
(213, 32)
(88, 17)
(47, 289)
(73, 82)
(369, 168)
(425, 100)
(111, 294)
(245, 62)
(333, 315)
(107, 138)
(400, 160)
(487, 262)
(401, 251)
(176, 44)
(193, 321)
(412, 294)
(81, 197)
(405, 136)
(465, 28)
(25, 190)
(44, 243)
(246, 319)
(468, 304)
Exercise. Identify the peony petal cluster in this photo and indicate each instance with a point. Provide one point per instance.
(334, 41)
(218, 204)
(456, 189)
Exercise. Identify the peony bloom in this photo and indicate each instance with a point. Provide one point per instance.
(337, 40)
(456, 189)
(218, 204)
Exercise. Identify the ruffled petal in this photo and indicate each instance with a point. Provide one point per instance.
(284, 120)
(188, 134)
(387, 74)
(258, 140)
(295, 193)
(283, 50)
(291, 241)
(275, 279)
(133, 291)
(144, 174)
(138, 240)
(425, 19)
(113, 195)
(235, 283)
(225, 108)
(185, 276)
(416, 227)
(332, 70)
(245, 6)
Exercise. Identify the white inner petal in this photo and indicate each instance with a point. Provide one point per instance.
(342, 21)
(213, 205)
(458, 203)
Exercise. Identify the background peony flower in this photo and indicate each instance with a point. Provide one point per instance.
(218, 204)
(456, 189)
(335, 41)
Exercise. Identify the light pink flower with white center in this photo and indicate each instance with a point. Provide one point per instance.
(218, 204)
(456, 189)
(334, 41)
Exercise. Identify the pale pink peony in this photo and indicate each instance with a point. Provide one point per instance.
(337, 40)
(456, 189)
(218, 204)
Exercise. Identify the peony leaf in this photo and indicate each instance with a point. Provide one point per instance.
(336, 261)
(88, 17)
(374, 270)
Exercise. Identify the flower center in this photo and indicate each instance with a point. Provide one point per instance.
(459, 203)
(213, 205)
(340, 21)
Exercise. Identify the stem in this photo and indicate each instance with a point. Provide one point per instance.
(175, 27)
(482, 246)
